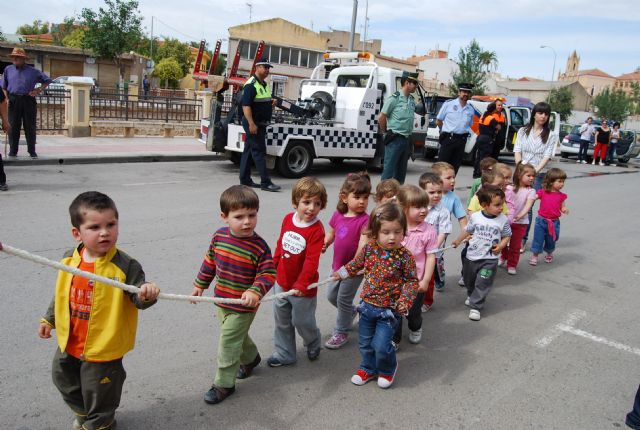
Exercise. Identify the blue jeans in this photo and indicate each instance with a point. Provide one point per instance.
(376, 329)
(612, 153)
(254, 147)
(542, 239)
(537, 184)
(396, 157)
(584, 148)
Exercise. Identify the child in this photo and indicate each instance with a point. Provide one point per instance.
(486, 165)
(494, 179)
(520, 197)
(242, 262)
(95, 323)
(296, 258)
(347, 225)
(439, 217)
(547, 228)
(389, 289)
(453, 204)
(387, 190)
(489, 232)
(422, 241)
(506, 173)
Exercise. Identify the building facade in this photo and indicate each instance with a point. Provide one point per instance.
(594, 81)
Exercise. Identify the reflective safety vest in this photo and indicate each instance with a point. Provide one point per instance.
(263, 92)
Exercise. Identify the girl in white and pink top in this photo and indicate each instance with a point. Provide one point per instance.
(520, 198)
(422, 241)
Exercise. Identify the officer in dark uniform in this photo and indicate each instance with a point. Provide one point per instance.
(257, 108)
(454, 121)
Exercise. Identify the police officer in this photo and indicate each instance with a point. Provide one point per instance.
(454, 121)
(19, 83)
(256, 107)
(396, 122)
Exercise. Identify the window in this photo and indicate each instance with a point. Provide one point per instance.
(295, 55)
(274, 54)
(265, 51)
(285, 53)
(304, 58)
(313, 59)
(244, 49)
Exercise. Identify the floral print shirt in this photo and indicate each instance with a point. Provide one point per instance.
(389, 276)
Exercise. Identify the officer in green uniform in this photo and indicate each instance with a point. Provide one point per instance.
(256, 107)
(396, 122)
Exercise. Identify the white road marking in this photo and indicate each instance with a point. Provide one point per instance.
(569, 321)
(136, 184)
(12, 193)
(599, 339)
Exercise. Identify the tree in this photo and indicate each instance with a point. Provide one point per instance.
(75, 39)
(561, 101)
(635, 98)
(38, 27)
(2, 38)
(173, 48)
(169, 72)
(470, 64)
(62, 30)
(113, 30)
(489, 59)
(612, 104)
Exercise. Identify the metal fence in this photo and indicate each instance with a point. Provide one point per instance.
(123, 106)
(50, 114)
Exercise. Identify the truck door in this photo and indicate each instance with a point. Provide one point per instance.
(517, 117)
(626, 144)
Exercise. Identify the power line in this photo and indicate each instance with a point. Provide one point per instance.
(176, 30)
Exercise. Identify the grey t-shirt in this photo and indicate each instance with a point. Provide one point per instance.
(487, 231)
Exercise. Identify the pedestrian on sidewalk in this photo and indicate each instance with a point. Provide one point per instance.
(19, 84)
(454, 121)
(587, 131)
(5, 128)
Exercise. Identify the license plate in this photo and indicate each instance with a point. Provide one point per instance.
(430, 143)
(576, 145)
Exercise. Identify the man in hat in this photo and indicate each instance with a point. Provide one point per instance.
(257, 107)
(396, 122)
(5, 128)
(19, 84)
(454, 121)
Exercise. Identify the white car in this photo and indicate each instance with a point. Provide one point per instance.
(57, 85)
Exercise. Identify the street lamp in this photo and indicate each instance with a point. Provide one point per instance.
(553, 72)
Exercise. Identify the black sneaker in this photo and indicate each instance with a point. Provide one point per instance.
(34, 156)
(245, 370)
(271, 187)
(13, 155)
(4, 187)
(252, 185)
(313, 354)
(218, 394)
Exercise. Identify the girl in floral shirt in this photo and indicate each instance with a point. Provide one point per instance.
(389, 289)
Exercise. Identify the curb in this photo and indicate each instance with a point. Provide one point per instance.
(105, 159)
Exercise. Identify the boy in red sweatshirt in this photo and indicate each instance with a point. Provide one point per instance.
(296, 259)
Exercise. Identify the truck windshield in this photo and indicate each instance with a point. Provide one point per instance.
(352, 81)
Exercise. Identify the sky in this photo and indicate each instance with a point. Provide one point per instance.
(606, 35)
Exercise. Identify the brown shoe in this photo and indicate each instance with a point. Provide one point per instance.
(245, 369)
(218, 394)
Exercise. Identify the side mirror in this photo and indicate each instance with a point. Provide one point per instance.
(420, 109)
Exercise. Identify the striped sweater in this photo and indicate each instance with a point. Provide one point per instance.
(240, 263)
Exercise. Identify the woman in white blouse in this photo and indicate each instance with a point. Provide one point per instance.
(535, 145)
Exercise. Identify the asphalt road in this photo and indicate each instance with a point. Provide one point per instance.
(558, 346)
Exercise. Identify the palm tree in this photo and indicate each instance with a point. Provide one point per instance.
(489, 59)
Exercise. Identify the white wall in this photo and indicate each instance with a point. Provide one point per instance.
(440, 69)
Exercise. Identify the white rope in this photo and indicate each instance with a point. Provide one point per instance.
(436, 251)
(20, 253)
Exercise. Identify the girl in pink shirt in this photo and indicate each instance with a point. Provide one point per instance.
(547, 226)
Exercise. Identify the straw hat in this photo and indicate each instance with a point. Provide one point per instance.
(18, 52)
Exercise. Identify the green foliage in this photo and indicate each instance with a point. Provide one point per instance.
(62, 30)
(38, 27)
(2, 38)
(173, 48)
(113, 30)
(489, 59)
(635, 98)
(613, 104)
(471, 61)
(221, 65)
(561, 101)
(169, 72)
(75, 39)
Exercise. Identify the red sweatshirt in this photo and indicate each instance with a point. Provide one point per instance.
(297, 254)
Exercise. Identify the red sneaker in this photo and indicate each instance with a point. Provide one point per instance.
(361, 377)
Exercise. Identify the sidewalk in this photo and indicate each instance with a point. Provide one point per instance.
(103, 149)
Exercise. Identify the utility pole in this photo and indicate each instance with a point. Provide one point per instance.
(553, 70)
(366, 25)
(353, 24)
(151, 48)
(250, 11)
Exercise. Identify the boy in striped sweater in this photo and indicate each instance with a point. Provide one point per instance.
(244, 267)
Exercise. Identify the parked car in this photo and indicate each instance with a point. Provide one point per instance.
(56, 87)
(628, 146)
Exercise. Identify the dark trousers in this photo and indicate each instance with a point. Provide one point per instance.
(255, 148)
(452, 148)
(22, 114)
(612, 152)
(484, 149)
(633, 417)
(91, 390)
(582, 152)
(414, 318)
(3, 177)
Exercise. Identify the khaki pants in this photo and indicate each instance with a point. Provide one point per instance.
(91, 390)
(235, 347)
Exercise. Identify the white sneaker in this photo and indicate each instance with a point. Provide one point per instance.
(474, 315)
(467, 303)
(584, 162)
(425, 308)
(593, 163)
(601, 163)
(415, 336)
(511, 270)
(461, 281)
(613, 164)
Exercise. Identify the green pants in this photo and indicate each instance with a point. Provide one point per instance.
(235, 347)
(91, 390)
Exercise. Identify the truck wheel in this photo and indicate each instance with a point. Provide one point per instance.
(235, 157)
(430, 153)
(296, 160)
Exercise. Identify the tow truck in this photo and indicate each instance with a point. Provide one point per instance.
(335, 116)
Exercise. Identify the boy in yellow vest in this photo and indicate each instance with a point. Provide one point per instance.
(95, 323)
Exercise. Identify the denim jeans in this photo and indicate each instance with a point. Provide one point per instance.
(396, 157)
(340, 295)
(376, 328)
(542, 239)
(612, 153)
(582, 152)
(255, 148)
(633, 417)
(537, 184)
